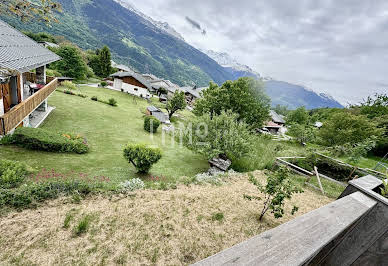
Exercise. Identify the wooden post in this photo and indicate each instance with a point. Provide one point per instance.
(354, 170)
(319, 180)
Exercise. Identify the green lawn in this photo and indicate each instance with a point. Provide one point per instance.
(107, 129)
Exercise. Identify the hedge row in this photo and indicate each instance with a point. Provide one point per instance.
(40, 139)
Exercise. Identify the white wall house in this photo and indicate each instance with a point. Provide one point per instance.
(132, 83)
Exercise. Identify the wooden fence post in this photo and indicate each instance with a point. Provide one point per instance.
(319, 180)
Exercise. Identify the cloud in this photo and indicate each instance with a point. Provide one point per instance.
(335, 46)
(195, 25)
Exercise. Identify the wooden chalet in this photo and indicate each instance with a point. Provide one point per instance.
(23, 93)
(132, 83)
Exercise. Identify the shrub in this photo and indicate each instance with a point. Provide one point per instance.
(12, 174)
(104, 84)
(276, 191)
(68, 92)
(70, 85)
(151, 124)
(40, 139)
(132, 185)
(94, 98)
(141, 156)
(112, 102)
(26, 196)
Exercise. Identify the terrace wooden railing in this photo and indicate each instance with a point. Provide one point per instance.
(15, 116)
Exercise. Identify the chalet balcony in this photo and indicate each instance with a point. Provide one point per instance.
(18, 113)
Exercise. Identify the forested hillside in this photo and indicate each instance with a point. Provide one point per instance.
(133, 40)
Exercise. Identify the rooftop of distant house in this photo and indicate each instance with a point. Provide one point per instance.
(277, 118)
(134, 75)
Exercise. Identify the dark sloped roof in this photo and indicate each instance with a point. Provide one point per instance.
(196, 92)
(20, 53)
(276, 117)
(135, 75)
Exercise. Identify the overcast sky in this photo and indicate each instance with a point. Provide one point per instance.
(339, 47)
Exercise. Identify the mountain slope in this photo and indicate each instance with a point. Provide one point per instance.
(280, 92)
(236, 69)
(294, 96)
(133, 39)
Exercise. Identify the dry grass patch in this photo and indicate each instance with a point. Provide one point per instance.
(175, 227)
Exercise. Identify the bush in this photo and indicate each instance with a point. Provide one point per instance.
(141, 156)
(132, 185)
(12, 174)
(68, 92)
(40, 139)
(26, 196)
(70, 85)
(151, 124)
(94, 98)
(112, 102)
(103, 84)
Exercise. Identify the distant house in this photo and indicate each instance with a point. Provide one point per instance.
(192, 94)
(150, 77)
(276, 118)
(277, 124)
(49, 44)
(166, 84)
(158, 114)
(23, 94)
(132, 83)
(121, 68)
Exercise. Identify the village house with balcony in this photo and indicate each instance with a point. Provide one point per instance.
(24, 87)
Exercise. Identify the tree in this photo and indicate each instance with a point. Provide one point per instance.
(218, 136)
(375, 106)
(245, 97)
(94, 61)
(278, 188)
(299, 116)
(281, 110)
(100, 61)
(376, 109)
(302, 133)
(344, 127)
(105, 62)
(41, 37)
(176, 103)
(42, 10)
(72, 64)
(141, 156)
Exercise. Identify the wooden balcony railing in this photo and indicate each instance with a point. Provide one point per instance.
(15, 116)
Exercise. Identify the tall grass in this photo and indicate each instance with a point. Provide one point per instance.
(264, 153)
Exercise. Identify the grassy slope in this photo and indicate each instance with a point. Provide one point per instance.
(175, 227)
(107, 129)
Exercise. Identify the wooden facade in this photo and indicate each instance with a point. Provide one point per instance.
(15, 116)
(134, 82)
